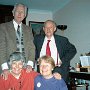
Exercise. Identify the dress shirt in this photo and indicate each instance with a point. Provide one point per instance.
(53, 49)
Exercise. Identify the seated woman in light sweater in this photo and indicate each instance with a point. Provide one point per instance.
(46, 81)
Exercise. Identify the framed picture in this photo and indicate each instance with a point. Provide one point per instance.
(37, 27)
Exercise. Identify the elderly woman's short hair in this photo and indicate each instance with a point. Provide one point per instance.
(16, 56)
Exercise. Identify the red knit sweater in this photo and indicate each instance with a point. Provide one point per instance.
(25, 81)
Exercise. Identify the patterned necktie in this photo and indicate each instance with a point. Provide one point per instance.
(18, 30)
(48, 52)
(20, 44)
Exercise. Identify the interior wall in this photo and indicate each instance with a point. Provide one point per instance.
(38, 16)
(76, 15)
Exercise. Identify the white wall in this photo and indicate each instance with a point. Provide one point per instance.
(38, 16)
(76, 15)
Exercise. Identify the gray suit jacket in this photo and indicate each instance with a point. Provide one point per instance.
(8, 41)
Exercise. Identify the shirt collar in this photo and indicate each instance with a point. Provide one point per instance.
(52, 38)
(16, 25)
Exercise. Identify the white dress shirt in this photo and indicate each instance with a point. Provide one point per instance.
(53, 49)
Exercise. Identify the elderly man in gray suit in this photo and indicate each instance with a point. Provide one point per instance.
(10, 41)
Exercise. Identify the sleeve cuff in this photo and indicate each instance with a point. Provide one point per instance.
(4, 66)
(30, 63)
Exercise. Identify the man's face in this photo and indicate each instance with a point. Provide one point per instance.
(49, 29)
(16, 67)
(19, 14)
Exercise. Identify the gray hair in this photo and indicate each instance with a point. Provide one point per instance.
(16, 56)
(50, 21)
(16, 5)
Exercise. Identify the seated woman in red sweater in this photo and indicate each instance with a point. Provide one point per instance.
(18, 78)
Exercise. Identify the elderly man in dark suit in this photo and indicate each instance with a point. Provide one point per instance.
(62, 51)
(11, 41)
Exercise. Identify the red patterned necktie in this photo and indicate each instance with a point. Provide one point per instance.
(48, 52)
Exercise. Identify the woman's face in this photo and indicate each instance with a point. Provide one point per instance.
(46, 69)
(16, 67)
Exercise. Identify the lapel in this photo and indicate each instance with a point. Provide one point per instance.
(25, 38)
(56, 41)
(58, 44)
(24, 34)
(41, 41)
(12, 33)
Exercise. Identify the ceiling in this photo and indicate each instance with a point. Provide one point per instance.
(47, 5)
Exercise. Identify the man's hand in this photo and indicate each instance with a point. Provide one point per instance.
(4, 74)
(29, 68)
(57, 75)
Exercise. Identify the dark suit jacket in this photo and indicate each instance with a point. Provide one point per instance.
(8, 41)
(65, 49)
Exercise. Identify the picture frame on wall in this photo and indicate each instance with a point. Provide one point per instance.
(37, 27)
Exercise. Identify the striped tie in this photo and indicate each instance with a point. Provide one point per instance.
(18, 30)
